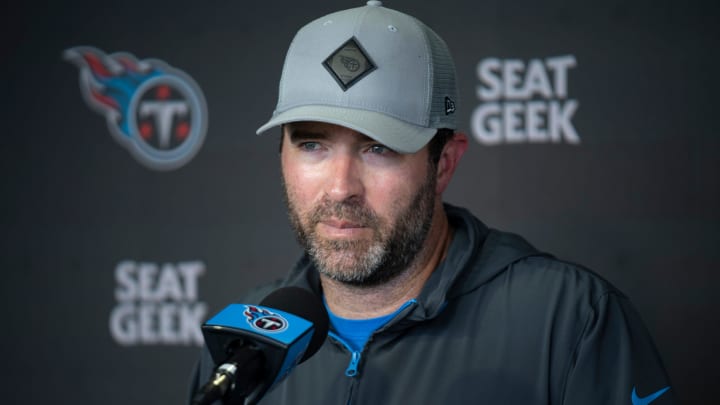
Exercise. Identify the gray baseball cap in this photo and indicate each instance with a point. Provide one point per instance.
(375, 70)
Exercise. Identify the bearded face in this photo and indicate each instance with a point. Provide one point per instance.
(392, 245)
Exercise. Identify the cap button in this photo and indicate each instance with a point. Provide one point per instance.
(374, 3)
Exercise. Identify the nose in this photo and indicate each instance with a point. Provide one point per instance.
(344, 178)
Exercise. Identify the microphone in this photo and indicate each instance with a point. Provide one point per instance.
(256, 346)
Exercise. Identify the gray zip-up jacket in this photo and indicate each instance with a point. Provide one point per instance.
(498, 322)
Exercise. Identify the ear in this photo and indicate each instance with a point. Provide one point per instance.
(449, 159)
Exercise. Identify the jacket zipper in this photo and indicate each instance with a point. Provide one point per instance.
(352, 368)
(355, 356)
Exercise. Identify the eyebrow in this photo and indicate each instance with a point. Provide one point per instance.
(300, 135)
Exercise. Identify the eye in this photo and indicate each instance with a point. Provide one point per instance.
(309, 146)
(379, 149)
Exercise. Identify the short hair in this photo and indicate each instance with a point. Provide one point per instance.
(437, 144)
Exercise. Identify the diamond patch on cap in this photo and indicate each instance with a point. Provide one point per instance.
(349, 64)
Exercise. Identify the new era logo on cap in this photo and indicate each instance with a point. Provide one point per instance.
(348, 64)
(449, 106)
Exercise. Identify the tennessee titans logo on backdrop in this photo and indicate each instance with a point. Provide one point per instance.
(264, 320)
(155, 111)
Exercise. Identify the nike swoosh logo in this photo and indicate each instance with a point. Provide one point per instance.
(645, 401)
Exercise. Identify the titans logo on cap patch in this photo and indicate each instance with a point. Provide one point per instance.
(154, 110)
(349, 64)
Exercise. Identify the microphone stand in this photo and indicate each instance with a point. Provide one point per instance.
(243, 365)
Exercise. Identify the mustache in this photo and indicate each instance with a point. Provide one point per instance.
(351, 211)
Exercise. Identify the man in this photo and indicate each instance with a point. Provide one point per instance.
(427, 305)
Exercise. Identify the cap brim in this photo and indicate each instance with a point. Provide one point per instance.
(396, 134)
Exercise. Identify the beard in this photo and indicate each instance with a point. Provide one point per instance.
(393, 247)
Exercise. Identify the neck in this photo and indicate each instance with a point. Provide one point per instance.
(359, 302)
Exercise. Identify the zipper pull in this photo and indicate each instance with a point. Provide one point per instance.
(352, 369)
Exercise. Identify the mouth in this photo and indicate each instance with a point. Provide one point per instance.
(341, 224)
(337, 228)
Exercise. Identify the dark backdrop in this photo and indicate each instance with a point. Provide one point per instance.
(91, 235)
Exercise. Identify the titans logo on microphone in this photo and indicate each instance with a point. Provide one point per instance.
(264, 320)
(155, 111)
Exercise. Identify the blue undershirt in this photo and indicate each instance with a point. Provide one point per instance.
(356, 332)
